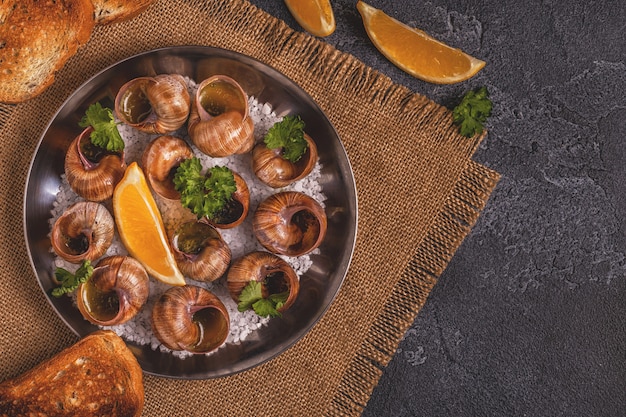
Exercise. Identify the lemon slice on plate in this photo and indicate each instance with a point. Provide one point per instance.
(315, 16)
(141, 228)
(414, 51)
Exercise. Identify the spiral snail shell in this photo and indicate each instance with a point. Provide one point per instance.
(274, 170)
(273, 273)
(116, 291)
(200, 251)
(219, 121)
(289, 223)
(158, 104)
(159, 161)
(92, 172)
(84, 231)
(190, 318)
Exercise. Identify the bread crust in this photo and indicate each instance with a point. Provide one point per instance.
(36, 40)
(97, 376)
(114, 11)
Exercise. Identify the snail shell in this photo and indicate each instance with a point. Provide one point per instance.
(200, 251)
(276, 171)
(289, 223)
(93, 178)
(84, 231)
(158, 104)
(160, 159)
(274, 274)
(237, 208)
(116, 291)
(190, 318)
(219, 121)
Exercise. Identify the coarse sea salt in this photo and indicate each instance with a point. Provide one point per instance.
(240, 239)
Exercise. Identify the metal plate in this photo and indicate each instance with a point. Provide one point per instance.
(319, 285)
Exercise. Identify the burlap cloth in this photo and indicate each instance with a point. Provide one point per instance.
(419, 194)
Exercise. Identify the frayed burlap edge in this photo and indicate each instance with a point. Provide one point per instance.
(452, 225)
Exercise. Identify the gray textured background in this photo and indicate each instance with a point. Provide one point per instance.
(529, 319)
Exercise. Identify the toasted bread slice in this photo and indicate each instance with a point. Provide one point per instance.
(97, 376)
(113, 11)
(36, 39)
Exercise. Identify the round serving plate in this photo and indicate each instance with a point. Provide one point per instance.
(318, 286)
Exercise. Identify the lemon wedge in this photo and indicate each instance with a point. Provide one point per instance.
(414, 51)
(141, 228)
(315, 16)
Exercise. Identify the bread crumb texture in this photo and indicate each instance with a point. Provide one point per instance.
(97, 376)
(114, 11)
(37, 37)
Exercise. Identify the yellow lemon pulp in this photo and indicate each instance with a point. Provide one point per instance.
(141, 228)
(315, 16)
(414, 51)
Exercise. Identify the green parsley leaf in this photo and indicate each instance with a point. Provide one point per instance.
(69, 282)
(265, 308)
(105, 133)
(472, 112)
(252, 297)
(250, 294)
(204, 194)
(288, 135)
(279, 299)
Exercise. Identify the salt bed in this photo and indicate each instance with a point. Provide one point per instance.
(241, 239)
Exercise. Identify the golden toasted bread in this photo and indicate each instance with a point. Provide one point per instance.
(113, 11)
(36, 39)
(97, 376)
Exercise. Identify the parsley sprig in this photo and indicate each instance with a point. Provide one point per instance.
(252, 296)
(471, 114)
(69, 282)
(105, 134)
(204, 194)
(288, 135)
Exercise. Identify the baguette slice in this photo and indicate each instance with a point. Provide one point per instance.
(36, 39)
(97, 376)
(113, 11)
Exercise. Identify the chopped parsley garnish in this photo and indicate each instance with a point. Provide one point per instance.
(204, 194)
(105, 134)
(288, 135)
(69, 282)
(471, 114)
(252, 296)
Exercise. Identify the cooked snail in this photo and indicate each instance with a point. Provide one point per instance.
(92, 172)
(236, 210)
(274, 274)
(158, 104)
(84, 231)
(276, 171)
(190, 318)
(289, 223)
(159, 161)
(219, 122)
(200, 251)
(115, 292)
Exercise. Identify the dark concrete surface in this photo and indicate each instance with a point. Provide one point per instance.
(529, 319)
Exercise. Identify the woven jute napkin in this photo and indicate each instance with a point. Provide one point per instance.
(419, 195)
